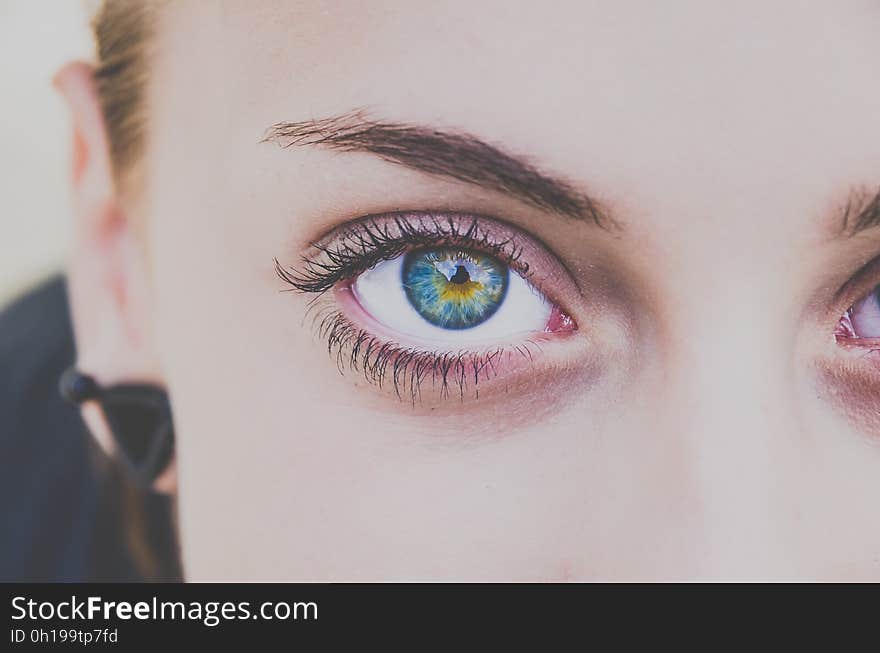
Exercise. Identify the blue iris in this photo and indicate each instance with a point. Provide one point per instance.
(454, 288)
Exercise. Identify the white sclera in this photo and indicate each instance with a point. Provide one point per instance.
(866, 317)
(380, 292)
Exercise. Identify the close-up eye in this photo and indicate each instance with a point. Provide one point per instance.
(861, 323)
(423, 296)
(452, 295)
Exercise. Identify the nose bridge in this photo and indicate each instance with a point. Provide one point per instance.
(730, 362)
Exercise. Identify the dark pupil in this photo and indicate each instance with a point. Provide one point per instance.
(461, 275)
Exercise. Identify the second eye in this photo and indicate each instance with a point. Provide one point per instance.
(451, 294)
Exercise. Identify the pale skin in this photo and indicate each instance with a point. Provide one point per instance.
(702, 423)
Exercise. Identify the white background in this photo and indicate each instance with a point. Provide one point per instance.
(36, 38)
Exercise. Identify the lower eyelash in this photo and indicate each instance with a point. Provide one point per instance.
(406, 368)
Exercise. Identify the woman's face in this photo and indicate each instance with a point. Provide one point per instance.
(582, 271)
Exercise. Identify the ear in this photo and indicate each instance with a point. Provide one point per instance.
(108, 272)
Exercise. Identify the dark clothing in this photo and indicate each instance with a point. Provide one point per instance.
(65, 509)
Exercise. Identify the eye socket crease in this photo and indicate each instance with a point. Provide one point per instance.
(456, 155)
(860, 213)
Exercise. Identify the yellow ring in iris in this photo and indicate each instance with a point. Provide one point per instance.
(454, 288)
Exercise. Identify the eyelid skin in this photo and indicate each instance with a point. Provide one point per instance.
(866, 278)
(425, 373)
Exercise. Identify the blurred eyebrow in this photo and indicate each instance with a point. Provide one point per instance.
(456, 155)
(860, 213)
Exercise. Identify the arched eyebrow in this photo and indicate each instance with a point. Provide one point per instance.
(456, 155)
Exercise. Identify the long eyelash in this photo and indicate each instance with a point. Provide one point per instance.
(369, 242)
(451, 372)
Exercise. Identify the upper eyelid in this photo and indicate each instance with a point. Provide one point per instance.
(471, 230)
(855, 283)
(535, 261)
(338, 231)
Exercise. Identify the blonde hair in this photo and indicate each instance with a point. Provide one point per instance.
(123, 31)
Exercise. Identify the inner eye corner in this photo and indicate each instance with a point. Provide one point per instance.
(860, 323)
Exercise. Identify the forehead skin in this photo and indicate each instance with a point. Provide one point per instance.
(719, 132)
(695, 120)
(738, 96)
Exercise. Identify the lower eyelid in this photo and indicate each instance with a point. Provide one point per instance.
(427, 376)
(855, 342)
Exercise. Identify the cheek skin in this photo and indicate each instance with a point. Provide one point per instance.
(494, 417)
(853, 389)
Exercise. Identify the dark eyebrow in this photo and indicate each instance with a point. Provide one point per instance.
(860, 213)
(456, 155)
